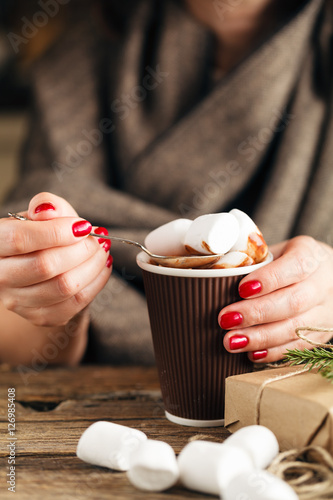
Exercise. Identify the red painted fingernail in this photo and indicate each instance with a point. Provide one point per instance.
(81, 228)
(101, 230)
(259, 354)
(43, 207)
(238, 342)
(249, 288)
(230, 319)
(109, 261)
(106, 245)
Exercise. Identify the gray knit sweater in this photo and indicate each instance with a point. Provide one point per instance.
(133, 132)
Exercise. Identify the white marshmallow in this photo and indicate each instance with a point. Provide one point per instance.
(109, 445)
(207, 467)
(169, 238)
(212, 233)
(233, 259)
(258, 485)
(250, 239)
(153, 466)
(259, 442)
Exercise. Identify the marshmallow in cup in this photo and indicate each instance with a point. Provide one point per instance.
(233, 259)
(212, 234)
(109, 445)
(250, 239)
(232, 234)
(168, 239)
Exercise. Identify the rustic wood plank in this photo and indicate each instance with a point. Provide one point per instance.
(58, 431)
(72, 399)
(59, 384)
(118, 404)
(72, 479)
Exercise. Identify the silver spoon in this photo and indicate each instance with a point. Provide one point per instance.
(177, 261)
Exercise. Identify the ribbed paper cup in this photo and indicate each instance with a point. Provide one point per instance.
(183, 306)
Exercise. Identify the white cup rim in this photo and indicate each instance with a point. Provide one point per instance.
(142, 260)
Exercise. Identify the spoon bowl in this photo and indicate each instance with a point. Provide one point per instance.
(177, 261)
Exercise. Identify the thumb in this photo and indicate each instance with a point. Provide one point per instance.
(46, 206)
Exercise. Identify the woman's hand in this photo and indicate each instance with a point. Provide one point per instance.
(50, 269)
(296, 289)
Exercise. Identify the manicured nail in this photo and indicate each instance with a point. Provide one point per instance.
(106, 245)
(230, 319)
(259, 354)
(43, 207)
(238, 342)
(81, 228)
(101, 230)
(109, 261)
(249, 288)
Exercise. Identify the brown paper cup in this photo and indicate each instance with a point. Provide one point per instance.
(183, 306)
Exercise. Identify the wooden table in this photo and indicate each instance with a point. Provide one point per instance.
(53, 408)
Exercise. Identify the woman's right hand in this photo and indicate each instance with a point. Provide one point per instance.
(50, 269)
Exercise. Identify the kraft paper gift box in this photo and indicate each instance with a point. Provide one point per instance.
(298, 409)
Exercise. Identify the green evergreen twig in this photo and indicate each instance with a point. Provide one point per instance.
(317, 357)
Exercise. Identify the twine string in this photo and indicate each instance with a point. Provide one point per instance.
(309, 471)
(313, 329)
(269, 381)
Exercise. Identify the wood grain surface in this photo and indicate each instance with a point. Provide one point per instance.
(53, 408)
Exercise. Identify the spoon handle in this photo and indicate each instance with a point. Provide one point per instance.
(122, 240)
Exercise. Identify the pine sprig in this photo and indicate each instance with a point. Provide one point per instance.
(328, 372)
(315, 358)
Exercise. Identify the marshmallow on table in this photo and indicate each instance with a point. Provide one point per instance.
(258, 485)
(208, 467)
(212, 233)
(259, 442)
(169, 238)
(109, 445)
(250, 239)
(233, 259)
(153, 466)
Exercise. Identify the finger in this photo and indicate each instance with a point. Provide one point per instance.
(302, 256)
(21, 237)
(277, 353)
(281, 304)
(268, 335)
(61, 287)
(60, 314)
(45, 206)
(36, 267)
(278, 249)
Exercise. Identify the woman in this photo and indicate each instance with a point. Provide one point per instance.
(175, 109)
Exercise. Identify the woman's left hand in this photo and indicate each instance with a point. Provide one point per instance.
(296, 289)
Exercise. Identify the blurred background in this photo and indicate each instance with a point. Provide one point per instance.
(27, 28)
(14, 96)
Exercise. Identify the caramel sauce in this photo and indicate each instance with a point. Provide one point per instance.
(206, 246)
(190, 250)
(256, 247)
(248, 261)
